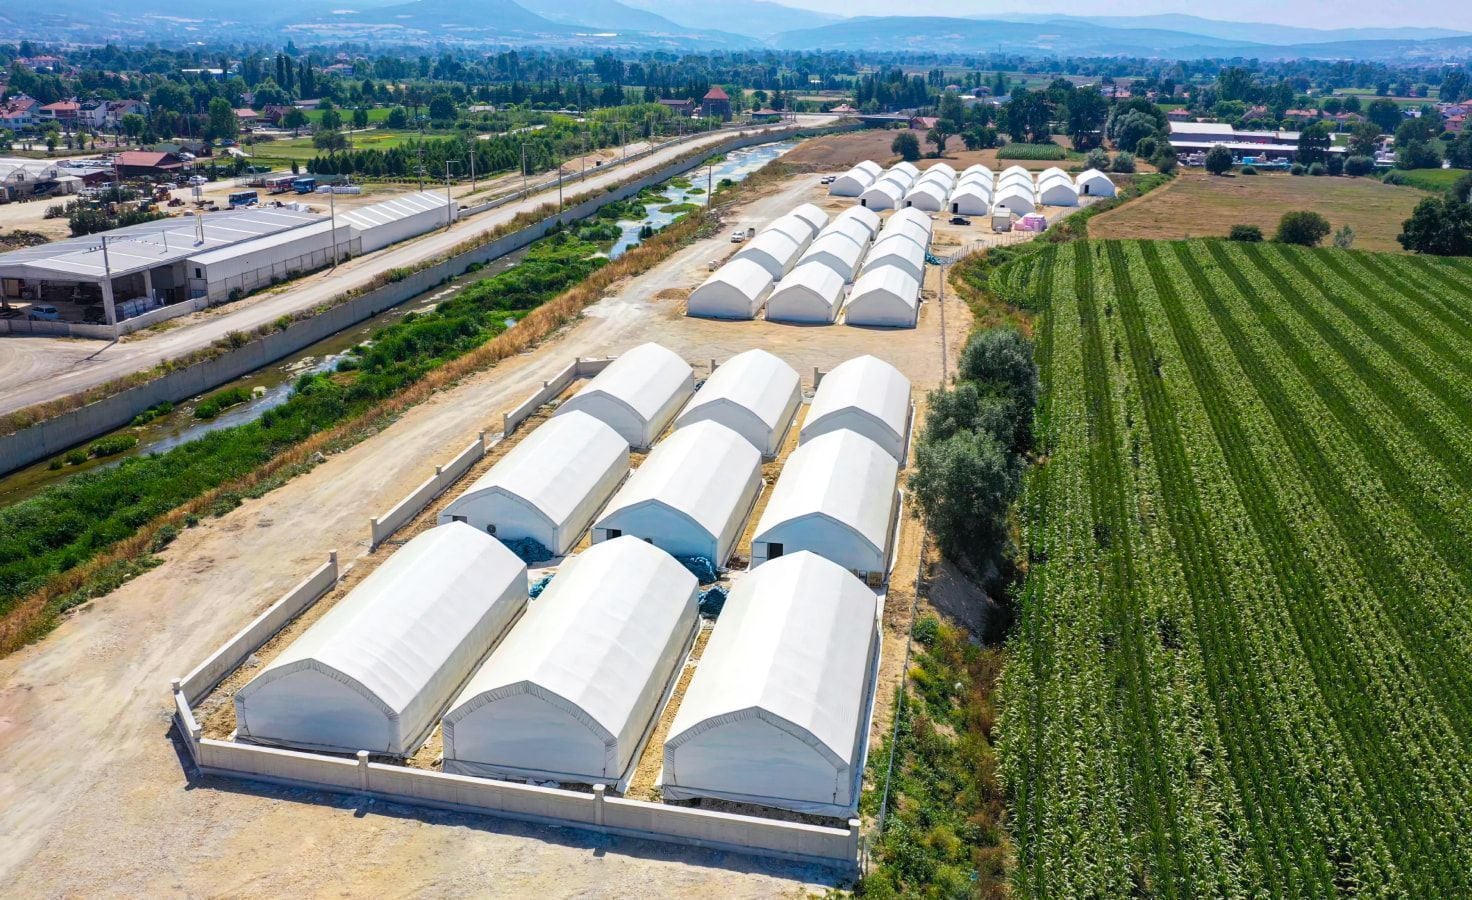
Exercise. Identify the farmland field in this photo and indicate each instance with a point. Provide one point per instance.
(1242, 659)
(1197, 205)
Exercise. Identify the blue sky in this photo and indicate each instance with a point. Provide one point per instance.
(1303, 13)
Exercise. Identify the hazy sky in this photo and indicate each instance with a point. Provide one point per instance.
(1306, 13)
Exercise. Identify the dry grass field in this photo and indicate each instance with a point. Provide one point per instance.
(836, 153)
(1200, 205)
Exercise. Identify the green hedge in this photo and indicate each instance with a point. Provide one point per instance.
(1032, 151)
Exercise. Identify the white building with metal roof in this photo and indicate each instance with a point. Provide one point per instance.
(374, 672)
(638, 394)
(771, 716)
(865, 395)
(754, 393)
(548, 487)
(737, 290)
(1093, 183)
(691, 496)
(399, 218)
(571, 693)
(884, 297)
(836, 497)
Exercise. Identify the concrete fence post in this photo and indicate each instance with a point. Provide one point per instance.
(332, 561)
(482, 439)
(600, 794)
(817, 377)
(177, 684)
(712, 365)
(505, 424)
(363, 770)
(373, 533)
(855, 842)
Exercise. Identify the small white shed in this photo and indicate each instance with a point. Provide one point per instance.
(815, 218)
(885, 297)
(1093, 183)
(691, 496)
(791, 730)
(811, 293)
(885, 193)
(736, 290)
(865, 395)
(571, 693)
(773, 250)
(856, 180)
(638, 394)
(866, 217)
(754, 393)
(1015, 198)
(836, 498)
(927, 195)
(549, 486)
(1058, 192)
(898, 251)
(374, 672)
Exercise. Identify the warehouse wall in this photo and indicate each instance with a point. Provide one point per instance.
(56, 435)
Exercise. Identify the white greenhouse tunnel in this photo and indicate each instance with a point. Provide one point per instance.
(865, 395)
(812, 293)
(737, 290)
(755, 394)
(638, 394)
(374, 672)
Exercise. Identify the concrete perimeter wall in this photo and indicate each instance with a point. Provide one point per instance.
(579, 368)
(382, 527)
(62, 432)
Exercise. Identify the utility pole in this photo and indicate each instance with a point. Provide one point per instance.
(559, 192)
(449, 200)
(421, 164)
(584, 176)
(472, 169)
(332, 211)
(709, 175)
(524, 192)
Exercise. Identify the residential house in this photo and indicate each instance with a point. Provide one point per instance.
(19, 113)
(716, 104)
(247, 118)
(113, 116)
(1178, 115)
(147, 162)
(684, 108)
(923, 123)
(63, 112)
(274, 113)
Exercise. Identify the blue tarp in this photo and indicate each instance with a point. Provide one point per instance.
(529, 549)
(712, 600)
(540, 585)
(701, 567)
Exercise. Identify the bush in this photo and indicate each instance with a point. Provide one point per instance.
(1247, 234)
(1297, 169)
(1124, 162)
(1396, 178)
(1219, 160)
(112, 445)
(1317, 170)
(1335, 164)
(75, 457)
(1359, 165)
(215, 404)
(1097, 158)
(1248, 170)
(1304, 228)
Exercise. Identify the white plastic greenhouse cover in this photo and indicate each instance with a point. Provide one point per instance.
(866, 217)
(978, 168)
(927, 195)
(969, 200)
(1094, 183)
(1016, 198)
(835, 498)
(870, 166)
(812, 292)
(906, 228)
(853, 182)
(773, 250)
(637, 394)
(898, 251)
(795, 227)
(571, 693)
(754, 393)
(1053, 172)
(812, 215)
(691, 496)
(1015, 170)
(883, 194)
(831, 251)
(866, 395)
(772, 716)
(737, 290)
(849, 227)
(1058, 193)
(887, 297)
(373, 672)
(549, 486)
(1022, 180)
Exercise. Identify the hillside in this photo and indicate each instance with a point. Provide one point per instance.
(754, 18)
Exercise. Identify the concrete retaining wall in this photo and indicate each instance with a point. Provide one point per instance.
(579, 368)
(62, 432)
(382, 527)
(197, 684)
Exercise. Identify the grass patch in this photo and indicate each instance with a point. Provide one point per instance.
(1434, 180)
(214, 404)
(679, 209)
(1032, 151)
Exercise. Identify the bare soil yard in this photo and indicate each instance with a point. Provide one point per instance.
(1199, 205)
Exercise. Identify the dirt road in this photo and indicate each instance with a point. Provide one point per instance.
(93, 796)
(37, 369)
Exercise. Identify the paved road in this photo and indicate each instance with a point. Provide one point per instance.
(38, 369)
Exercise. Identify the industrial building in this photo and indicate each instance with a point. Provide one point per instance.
(131, 270)
(812, 293)
(736, 290)
(691, 496)
(548, 487)
(886, 297)
(399, 218)
(638, 394)
(791, 731)
(836, 498)
(373, 672)
(571, 693)
(754, 393)
(865, 395)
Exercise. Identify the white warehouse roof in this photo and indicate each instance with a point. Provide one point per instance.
(637, 394)
(898, 251)
(942, 168)
(866, 217)
(754, 393)
(1094, 183)
(908, 168)
(736, 290)
(373, 672)
(794, 226)
(574, 687)
(773, 250)
(886, 296)
(691, 496)
(1053, 172)
(834, 252)
(772, 716)
(977, 169)
(850, 228)
(812, 215)
(548, 487)
(1016, 179)
(1016, 170)
(399, 218)
(835, 498)
(870, 166)
(865, 395)
(813, 292)
(853, 182)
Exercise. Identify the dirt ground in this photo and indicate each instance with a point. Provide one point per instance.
(1199, 205)
(837, 153)
(94, 795)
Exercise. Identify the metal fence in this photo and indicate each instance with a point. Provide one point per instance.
(265, 276)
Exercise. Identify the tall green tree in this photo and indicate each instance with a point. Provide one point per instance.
(220, 122)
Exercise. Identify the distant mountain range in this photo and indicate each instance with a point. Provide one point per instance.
(731, 24)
